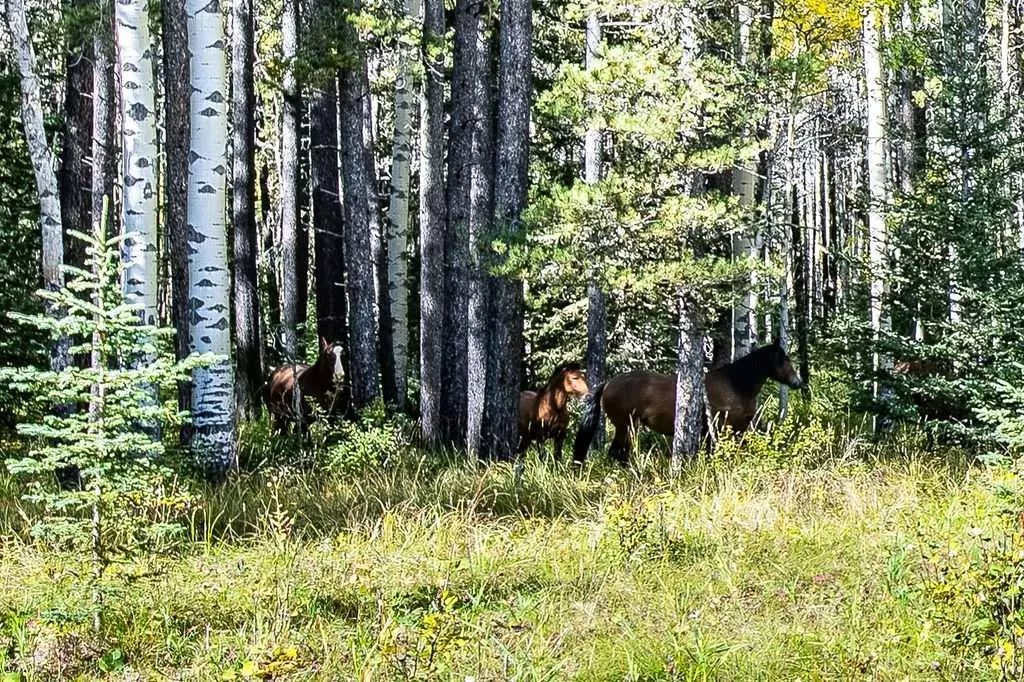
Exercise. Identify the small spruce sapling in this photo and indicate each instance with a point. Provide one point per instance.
(126, 494)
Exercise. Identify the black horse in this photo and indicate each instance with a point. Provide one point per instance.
(650, 399)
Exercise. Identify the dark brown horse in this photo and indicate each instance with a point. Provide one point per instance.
(321, 382)
(650, 399)
(544, 414)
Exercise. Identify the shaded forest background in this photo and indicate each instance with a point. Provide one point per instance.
(844, 177)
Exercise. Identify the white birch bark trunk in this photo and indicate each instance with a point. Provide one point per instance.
(877, 192)
(398, 212)
(744, 186)
(209, 278)
(138, 156)
(43, 160)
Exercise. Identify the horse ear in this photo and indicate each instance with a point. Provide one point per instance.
(323, 344)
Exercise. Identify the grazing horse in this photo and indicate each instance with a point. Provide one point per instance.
(321, 382)
(544, 414)
(650, 399)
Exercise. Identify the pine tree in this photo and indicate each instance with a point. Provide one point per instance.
(505, 330)
(248, 355)
(432, 220)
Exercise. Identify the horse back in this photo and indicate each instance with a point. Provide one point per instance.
(641, 398)
(280, 388)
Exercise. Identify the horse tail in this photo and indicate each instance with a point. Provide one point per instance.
(589, 423)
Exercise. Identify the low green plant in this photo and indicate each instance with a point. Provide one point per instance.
(370, 441)
(975, 589)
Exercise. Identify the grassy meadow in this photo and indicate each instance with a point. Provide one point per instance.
(813, 555)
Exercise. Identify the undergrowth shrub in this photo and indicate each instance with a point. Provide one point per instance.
(653, 528)
(973, 580)
(372, 440)
(973, 587)
(332, 445)
(98, 426)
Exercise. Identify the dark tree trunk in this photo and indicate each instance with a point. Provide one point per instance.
(432, 224)
(504, 347)
(294, 259)
(379, 247)
(328, 235)
(800, 281)
(359, 266)
(248, 363)
(75, 178)
(177, 94)
(456, 240)
(104, 157)
(481, 215)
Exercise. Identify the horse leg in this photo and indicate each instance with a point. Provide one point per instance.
(619, 449)
(559, 439)
(524, 445)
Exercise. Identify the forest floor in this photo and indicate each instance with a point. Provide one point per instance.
(820, 565)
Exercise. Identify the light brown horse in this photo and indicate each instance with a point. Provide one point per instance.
(544, 414)
(650, 399)
(321, 382)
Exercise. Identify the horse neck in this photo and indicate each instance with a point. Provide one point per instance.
(322, 371)
(554, 395)
(748, 374)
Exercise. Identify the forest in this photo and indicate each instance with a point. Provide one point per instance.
(511, 340)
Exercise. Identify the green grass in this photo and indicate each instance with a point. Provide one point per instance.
(798, 566)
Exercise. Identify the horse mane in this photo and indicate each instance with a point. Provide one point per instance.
(749, 372)
(557, 374)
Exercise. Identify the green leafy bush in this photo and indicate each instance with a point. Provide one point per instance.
(370, 441)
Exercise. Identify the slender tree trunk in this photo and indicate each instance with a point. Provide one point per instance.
(359, 264)
(398, 214)
(379, 251)
(248, 360)
(786, 247)
(481, 216)
(209, 277)
(177, 133)
(877, 194)
(43, 163)
(292, 257)
(689, 408)
(505, 342)
(456, 246)
(690, 405)
(75, 174)
(432, 221)
(744, 186)
(103, 156)
(597, 308)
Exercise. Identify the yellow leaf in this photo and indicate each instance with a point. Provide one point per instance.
(249, 669)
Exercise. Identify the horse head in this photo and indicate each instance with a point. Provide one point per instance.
(331, 352)
(782, 369)
(573, 380)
